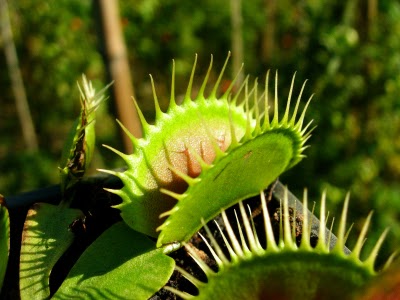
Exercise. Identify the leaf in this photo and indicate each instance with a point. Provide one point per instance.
(45, 238)
(4, 241)
(120, 264)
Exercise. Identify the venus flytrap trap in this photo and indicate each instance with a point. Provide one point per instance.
(202, 156)
(79, 146)
(270, 269)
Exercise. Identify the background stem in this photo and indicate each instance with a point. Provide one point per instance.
(118, 68)
(24, 115)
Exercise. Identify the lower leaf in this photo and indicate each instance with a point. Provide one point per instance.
(120, 264)
(45, 238)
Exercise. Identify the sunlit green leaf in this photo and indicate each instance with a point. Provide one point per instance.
(45, 238)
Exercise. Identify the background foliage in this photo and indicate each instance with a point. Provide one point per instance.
(350, 51)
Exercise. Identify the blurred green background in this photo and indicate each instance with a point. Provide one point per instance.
(349, 51)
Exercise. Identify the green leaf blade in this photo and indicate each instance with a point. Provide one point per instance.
(45, 238)
(4, 241)
(120, 264)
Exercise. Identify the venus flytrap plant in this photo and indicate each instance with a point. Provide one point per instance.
(207, 154)
(198, 159)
